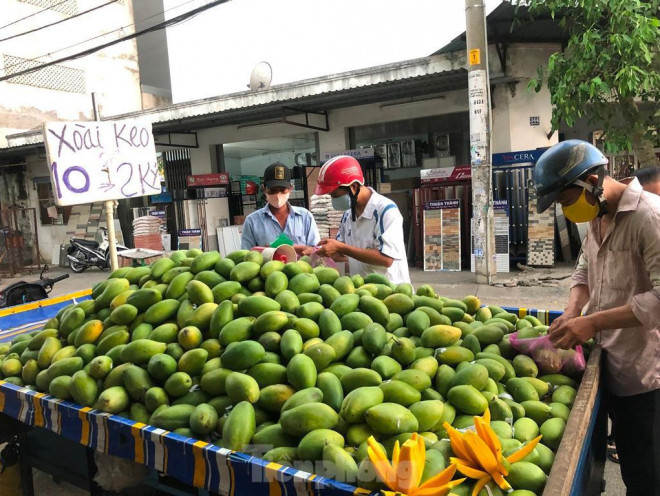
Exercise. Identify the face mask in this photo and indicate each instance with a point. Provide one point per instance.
(341, 202)
(278, 200)
(581, 210)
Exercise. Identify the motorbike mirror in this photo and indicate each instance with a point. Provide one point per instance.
(44, 270)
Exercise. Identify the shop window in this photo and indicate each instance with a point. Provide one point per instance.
(47, 206)
(405, 146)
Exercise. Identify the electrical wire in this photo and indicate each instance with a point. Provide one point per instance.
(171, 22)
(33, 14)
(58, 22)
(120, 29)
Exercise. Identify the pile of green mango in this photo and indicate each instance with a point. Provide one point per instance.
(299, 362)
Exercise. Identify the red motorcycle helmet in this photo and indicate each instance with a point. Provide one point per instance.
(338, 171)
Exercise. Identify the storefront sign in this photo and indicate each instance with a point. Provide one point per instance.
(203, 180)
(190, 238)
(521, 157)
(446, 174)
(98, 161)
(362, 153)
(441, 204)
(157, 213)
(501, 205)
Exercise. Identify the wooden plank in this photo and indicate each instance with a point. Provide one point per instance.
(564, 469)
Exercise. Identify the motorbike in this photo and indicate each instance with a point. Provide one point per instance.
(84, 253)
(25, 292)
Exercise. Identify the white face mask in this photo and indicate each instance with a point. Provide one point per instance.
(278, 200)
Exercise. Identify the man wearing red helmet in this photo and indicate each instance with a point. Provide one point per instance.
(371, 230)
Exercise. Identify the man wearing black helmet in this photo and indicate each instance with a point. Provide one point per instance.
(618, 278)
(278, 217)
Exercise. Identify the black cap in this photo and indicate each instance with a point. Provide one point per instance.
(277, 175)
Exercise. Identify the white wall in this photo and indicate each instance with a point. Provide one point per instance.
(511, 128)
(112, 73)
(233, 166)
(49, 235)
(255, 166)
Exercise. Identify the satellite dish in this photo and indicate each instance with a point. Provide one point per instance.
(261, 76)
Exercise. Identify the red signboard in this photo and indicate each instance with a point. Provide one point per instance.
(203, 180)
(446, 174)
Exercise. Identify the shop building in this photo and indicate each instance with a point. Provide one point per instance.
(411, 117)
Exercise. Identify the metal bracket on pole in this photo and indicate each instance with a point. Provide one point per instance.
(169, 141)
(306, 124)
(501, 48)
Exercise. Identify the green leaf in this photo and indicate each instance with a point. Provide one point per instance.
(611, 57)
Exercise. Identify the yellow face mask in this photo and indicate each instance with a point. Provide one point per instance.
(581, 210)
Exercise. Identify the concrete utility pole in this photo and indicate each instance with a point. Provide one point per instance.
(480, 133)
(109, 209)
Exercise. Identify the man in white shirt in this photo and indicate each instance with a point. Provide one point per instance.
(371, 230)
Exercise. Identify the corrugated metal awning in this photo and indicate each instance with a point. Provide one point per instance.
(408, 79)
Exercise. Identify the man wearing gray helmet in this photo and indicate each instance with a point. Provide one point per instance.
(618, 278)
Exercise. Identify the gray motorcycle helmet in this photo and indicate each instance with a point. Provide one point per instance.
(563, 164)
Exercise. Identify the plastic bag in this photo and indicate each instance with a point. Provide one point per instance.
(549, 359)
(315, 260)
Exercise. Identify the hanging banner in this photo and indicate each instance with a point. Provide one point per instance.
(98, 161)
(362, 153)
(203, 180)
(446, 174)
(517, 158)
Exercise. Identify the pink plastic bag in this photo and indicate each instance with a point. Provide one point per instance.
(549, 359)
(315, 260)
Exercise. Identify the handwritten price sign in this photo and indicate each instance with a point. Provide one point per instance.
(98, 161)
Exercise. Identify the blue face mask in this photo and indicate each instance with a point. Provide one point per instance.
(341, 203)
